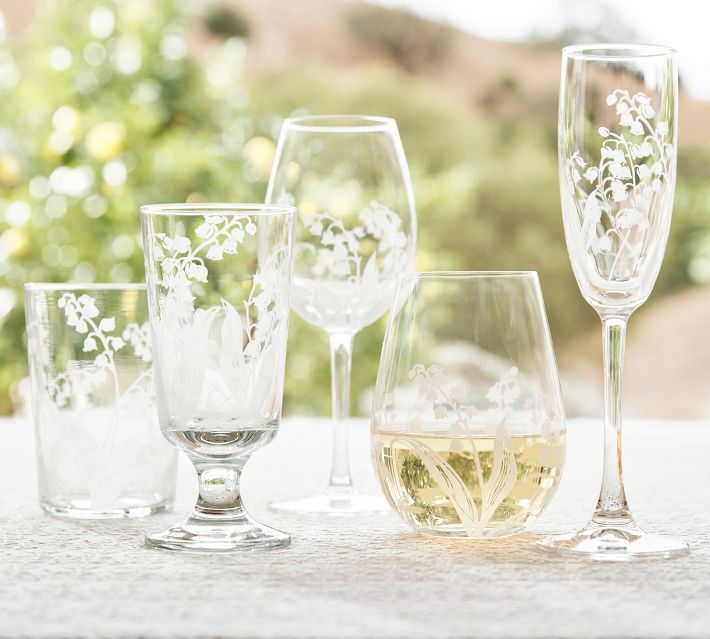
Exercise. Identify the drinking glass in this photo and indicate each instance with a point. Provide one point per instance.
(218, 291)
(617, 154)
(99, 451)
(468, 425)
(356, 232)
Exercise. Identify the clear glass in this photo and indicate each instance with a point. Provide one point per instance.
(99, 450)
(356, 232)
(468, 425)
(218, 290)
(617, 154)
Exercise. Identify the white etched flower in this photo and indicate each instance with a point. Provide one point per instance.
(604, 243)
(637, 127)
(205, 230)
(181, 244)
(196, 271)
(618, 191)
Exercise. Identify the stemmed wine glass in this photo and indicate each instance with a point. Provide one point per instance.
(355, 233)
(617, 155)
(218, 280)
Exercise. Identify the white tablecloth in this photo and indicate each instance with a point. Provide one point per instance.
(364, 576)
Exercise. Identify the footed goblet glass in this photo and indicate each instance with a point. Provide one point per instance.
(218, 279)
(617, 153)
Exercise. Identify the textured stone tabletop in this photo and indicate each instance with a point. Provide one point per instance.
(366, 576)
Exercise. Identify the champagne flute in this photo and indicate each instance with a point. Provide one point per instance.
(617, 152)
(355, 233)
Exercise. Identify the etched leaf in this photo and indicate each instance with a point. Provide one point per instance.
(448, 480)
(370, 274)
(503, 475)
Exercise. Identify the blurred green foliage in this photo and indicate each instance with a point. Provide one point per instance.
(103, 109)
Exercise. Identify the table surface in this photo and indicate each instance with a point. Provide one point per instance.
(366, 576)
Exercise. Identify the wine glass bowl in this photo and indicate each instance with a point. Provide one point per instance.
(355, 233)
(468, 424)
(617, 154)
(218, 280)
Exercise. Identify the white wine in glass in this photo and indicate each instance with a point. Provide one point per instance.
(355, 233)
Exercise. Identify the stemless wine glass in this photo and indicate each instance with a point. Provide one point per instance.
(617, 154)
(218, 290)
(356, 232)
(468, 423)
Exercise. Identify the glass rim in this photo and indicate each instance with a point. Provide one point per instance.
(350, 123)
(606, 51)
(468, 274)
(85, 286)
(218, 208)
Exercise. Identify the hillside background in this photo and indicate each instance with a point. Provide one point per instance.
(187, 99)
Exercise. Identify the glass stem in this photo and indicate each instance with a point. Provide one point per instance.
(220, 495)
(340, 364)
(612, 507)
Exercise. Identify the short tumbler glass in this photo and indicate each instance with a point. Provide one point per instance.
(100, 453)
(468, 422)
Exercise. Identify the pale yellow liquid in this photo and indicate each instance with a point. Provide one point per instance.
(434, 480)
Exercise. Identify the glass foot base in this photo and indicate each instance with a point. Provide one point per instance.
(78, 508)
(614, 543)
(335, 503)
(198, 536)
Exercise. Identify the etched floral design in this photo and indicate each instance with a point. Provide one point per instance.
(76, 383)
(182, 264)
(440, 399)
(339, 253)
(96, 420)
(619, 196)
(345, 277)
(218, 358)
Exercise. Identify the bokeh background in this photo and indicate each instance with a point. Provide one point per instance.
(106, 105)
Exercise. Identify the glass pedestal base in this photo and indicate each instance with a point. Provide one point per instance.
(335, 502)
(199, 536)
(613, 543)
